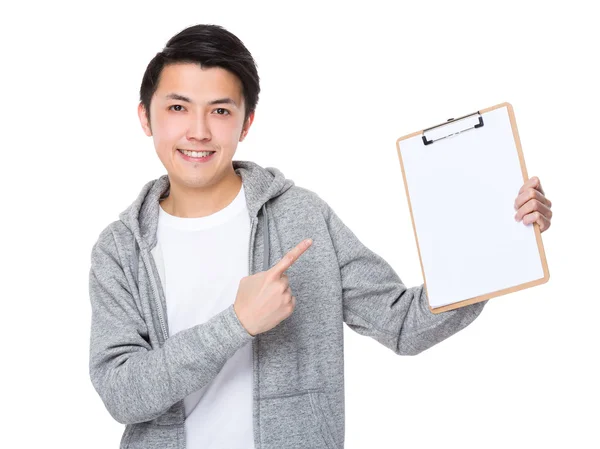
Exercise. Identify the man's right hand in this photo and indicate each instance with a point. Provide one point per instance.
(265, 299)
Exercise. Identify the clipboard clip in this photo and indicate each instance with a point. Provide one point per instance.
(477, 125)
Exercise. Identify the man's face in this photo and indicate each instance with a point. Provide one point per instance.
(196, 124)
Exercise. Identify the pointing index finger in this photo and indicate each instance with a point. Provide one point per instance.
(286, 261)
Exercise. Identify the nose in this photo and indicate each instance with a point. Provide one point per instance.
(198, 129)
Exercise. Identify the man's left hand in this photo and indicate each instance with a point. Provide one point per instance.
(532, 206)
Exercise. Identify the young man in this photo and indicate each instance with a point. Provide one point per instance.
(214, 323)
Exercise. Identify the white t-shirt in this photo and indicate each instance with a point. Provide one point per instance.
(205, 258)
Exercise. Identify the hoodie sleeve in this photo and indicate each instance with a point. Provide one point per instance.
(136, 382)
(377, 304)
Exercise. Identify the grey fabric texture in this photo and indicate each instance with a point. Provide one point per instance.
(142, 373)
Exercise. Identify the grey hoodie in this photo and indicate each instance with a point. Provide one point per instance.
(143, 374)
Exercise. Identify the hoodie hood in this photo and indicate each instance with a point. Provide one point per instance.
(260, 185)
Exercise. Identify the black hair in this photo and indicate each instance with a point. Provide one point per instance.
(209, 46)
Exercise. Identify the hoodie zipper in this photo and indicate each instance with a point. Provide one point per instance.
(250, 248)
(256, 431)
(160, 311)
(157, 300)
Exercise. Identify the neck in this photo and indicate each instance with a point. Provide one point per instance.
(185, 202)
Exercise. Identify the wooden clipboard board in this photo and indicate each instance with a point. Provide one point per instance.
(447, 136)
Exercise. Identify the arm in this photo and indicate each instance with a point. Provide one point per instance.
(138, 383)
(377, 304)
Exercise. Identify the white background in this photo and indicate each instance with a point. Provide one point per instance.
(340, 83)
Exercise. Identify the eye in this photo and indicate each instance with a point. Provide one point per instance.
(175, 105)
(223, 109)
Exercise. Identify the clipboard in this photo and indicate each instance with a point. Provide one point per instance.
(461, 179)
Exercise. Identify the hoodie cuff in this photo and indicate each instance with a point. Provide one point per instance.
(238, 330)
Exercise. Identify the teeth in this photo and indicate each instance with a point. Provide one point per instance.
(196, 154)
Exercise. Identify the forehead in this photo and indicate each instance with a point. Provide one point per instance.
(198, 82)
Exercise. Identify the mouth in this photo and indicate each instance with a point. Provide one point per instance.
(194, 156)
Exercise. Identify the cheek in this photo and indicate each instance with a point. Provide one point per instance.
(231, 133)
(166, 137)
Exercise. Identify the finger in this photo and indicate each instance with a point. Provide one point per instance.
(530, 195)
(536, 217)
(286, 261)
(533, 206)
(534, 182)
(285, 282)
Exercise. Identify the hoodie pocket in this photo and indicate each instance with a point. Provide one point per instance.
(319, 404)
(294, 421)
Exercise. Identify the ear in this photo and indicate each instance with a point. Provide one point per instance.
(144, 120)
(246, 127)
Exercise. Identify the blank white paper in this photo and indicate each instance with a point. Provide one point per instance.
(462, 191)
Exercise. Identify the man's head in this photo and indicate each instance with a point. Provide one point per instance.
(199, 94)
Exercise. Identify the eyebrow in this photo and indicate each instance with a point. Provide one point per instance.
(226, 100)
